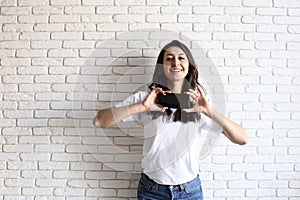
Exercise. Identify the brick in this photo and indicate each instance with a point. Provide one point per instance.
(239, 10)
(51, 183)
(78, 44)
(80, 27)
(36, 174)
(9, 3)
(63, 53)
(15, 10)
(17, 27)
(259, 36)
(66, 36)
(80, 10)
(64, 18)
(144, 10)
(111, 10)
(274, 98)
(176, 9)
(114, 184)
(37, 191)
(112, 27)
(285, 54)
(30, 2)
(31, 53)
(35, 87)
(201, 10)
(257, 19)
(292, 63)
(49, 114)
(287, 37)
(293, 11)
(48, 27)
(32, 122)
(261, 192)
(286, 3)
(264, 3)
(267, 28)
(227, 36)
(224, 19)
(18, 97)
(8, 88)
(50, 96)
(7, 70)
(176, 27)
(69, 192)
(32, 19)
(47, 10)
(161, 18)
(97, 2)
(35, 156)
(293, 46)
(15, 44)
(46, 44)
(46, 61)
(257, 124)
(128, 18)
(131, 36)
(65, 2)
(286, 106)
(238, 45)
(102, 193)
(240, 27)
(254, 54)
(63, 70)
(271, 11)
(18, 79)
(17, 114)
(270, 45)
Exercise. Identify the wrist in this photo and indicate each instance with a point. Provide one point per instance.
(143, 107)
(208, 111)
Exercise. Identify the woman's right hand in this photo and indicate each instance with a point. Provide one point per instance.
(150, 102)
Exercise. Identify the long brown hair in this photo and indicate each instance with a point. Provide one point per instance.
(191, 81)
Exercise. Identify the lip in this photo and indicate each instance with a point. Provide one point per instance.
(176, 70)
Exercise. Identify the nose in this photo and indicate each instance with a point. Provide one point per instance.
(176, 62)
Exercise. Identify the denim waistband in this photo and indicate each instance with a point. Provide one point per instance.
(184, 186)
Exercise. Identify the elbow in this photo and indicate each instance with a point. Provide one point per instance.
(96, 122)
(243, 140)
(99, 123)
(238, 137)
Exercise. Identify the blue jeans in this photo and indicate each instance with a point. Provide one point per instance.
(150, 190)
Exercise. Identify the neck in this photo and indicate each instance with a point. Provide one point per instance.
(175, 86)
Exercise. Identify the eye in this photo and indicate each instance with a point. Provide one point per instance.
(169, 58)
(181, 58)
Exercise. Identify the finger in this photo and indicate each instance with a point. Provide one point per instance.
(200, 90)
(188, 110)
(164, 109)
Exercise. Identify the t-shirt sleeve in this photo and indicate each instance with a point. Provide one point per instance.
(135, 98)
(210, 126)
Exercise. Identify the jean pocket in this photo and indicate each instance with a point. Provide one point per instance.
(193, 186)
(147, 186)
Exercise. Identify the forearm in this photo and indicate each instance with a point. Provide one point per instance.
(231, 129)
(110, 116)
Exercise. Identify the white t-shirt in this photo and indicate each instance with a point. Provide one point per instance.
(171, 149)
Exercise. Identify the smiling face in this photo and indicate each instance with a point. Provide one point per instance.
(176, 64)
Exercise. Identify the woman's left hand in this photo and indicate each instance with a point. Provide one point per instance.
(198, 100)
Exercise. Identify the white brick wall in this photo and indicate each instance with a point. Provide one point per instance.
(62, 60)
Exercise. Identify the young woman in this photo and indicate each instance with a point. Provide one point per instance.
(172, 135)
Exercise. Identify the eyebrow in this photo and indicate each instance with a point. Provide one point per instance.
(181, 54)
